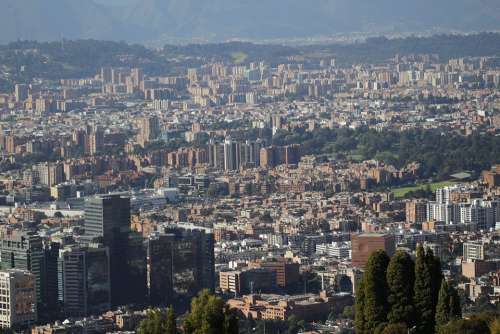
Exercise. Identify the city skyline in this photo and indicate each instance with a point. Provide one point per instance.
(236, 167)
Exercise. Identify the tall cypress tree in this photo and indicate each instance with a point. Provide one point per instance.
(423, 294)
(443, 306)
(436, 275)
(401, 280)
(455, 304)
(376, 290)
(448, 307)
(427, 283)
(359, 308)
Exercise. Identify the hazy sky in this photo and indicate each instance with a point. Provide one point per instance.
(115, 2)
(219, 20)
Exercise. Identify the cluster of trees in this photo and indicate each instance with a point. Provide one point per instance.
(397, 295)
(290, 326)
(484, 323)
(158, 322)
(225, 51)
(372, 50)
(439, 154)
(380, 49)
(209, 315)
(75, 58)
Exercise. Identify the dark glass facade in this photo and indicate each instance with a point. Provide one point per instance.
(107, 220)
(22, 249)
(84, 280)
(180, 264)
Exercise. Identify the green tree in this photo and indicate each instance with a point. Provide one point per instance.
(209, 316)
(395, 329)
(170, 324)
(294, 324)
(466, 326)
(495, 326)
(482, 305)
(425, 296)
(455, 304)
(359, 307)
(401, 280)
(380, 328)
(155, 323)
(348, 312)
(434, 265)
(443, 306)
(375, 297)
(448, 307)
(231, 321)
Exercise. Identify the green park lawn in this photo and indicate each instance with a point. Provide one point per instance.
(401, 192)
(239, 57)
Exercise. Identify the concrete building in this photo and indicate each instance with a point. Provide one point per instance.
(149, 129)
(231, 155)
(416, 212)
(287, 272)
(307, 307)
(21, 92)
(17, 298)
(473, 251)
(248, 281)
(363, 245)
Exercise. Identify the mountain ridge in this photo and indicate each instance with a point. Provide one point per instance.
(219, 20)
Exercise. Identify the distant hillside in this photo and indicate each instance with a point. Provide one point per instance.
(56, 19)
(216, 20)
(77, 58)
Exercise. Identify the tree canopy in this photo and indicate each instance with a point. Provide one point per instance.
(209, 316)
(401, 280)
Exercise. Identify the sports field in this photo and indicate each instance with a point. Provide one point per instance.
(401, 192)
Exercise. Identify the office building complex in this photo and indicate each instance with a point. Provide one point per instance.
(159, 268)
(180, 264)
(107, 220)
(84, 284)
